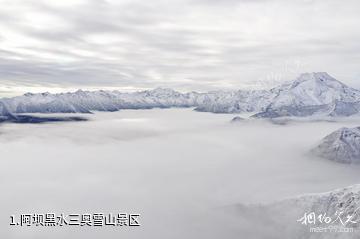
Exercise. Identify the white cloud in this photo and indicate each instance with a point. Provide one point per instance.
(214, 43)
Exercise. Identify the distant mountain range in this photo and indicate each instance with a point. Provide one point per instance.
(309, 94)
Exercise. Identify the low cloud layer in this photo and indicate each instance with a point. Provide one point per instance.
(180, 169)
(183, 44)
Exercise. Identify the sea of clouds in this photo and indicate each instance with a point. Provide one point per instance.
(183, 171)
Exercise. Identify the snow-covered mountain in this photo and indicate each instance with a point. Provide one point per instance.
(313, 94)
(234, 101)
(342, 146)
(314, 89)
(309, 94)
(293, 217)
(5, 113)
(86, 101)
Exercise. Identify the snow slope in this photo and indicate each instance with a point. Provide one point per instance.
(234, 101)
(342, 146)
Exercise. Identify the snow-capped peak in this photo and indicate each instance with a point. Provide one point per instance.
(313, 93)
(342, 146)
(324, 76)
(317, 80)
(317, 88)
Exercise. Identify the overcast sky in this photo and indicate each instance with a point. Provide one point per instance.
(183, 44)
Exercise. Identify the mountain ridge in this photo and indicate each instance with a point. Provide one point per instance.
(309, 94)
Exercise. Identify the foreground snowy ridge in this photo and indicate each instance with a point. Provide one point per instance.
(345, 200)
(309, 94)
(304, 212)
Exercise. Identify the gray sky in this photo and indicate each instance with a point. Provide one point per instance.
(183, 44)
